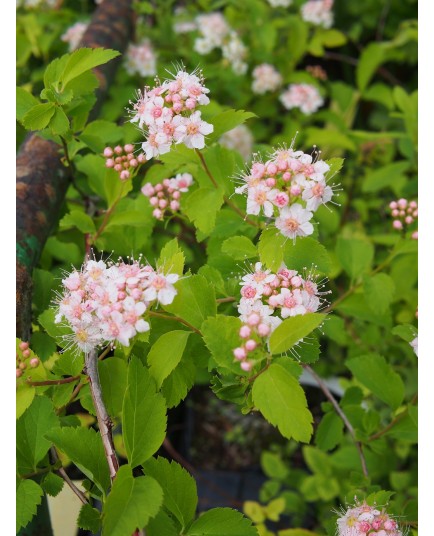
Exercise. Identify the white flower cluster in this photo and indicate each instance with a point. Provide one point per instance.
(318, 12)
(303, 96)
(239, 139)
(141, 59)
(105, 303)
(280, 3)
(165, 196)
(365, 520)
(265, 78)
(291, 185)
(74, 35)
(168, 114)
(35, 4)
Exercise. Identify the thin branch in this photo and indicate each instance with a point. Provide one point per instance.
(229, 299)
(104, 421)
(54, 382)
(66, 478)
(176, 318)
(341, 414)
(396, 420)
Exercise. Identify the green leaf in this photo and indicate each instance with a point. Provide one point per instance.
(166, 353)
(355, 255)
(85, 449)
(281, 400)
(59, 123)
(271, 248)
(25, 101)
(179, 488)
(392, 176)
(378, 376)
(113, 376)
(292, 330)
(38, 117)
(83, 60)
(195, 300)
(329, 432)
(239, 248)
(89, 519)
(43, 284)
(221, 336)
(379, 292)
(228, 120)
(79, 219)
(68, 364)
(52, 484)
(176, 386)
(32, 427)
(57, 331)
(171, 259)
(317, 460)
(100, 133)
(273, 465)
(28, 498)
(370, 59)
(407, 332)
(162, 524)
(201, 208)
(222, 522)
(305, 253)
(24, 397)
(144, 417)
(131, 503)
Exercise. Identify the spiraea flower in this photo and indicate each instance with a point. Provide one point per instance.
(123, 160)
(318, 12)
(266, 300)
(266, 78)
(141, 59)
(290, 187)
(239, 139)
(165, 196)
(365, 520)
(74, 34)
(303, 96)
(405, 214)
(105, 303)
(168, 114)
(280, 3)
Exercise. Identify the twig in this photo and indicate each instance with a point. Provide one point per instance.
(177, 319)
(104, 421)
(54, 382)
(341, 414)
(394, 421)
(229, 299)
(66, 478)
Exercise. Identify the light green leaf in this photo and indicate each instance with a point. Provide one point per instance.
(336, 164)
(355, 255)
(176, 386)
(89, 519)
(329, 432)
(222, 522)
(166, 353)
(379, 292)
(28, 498)
(305, 253)
(370, 59)
(24, 397)
(292, 330)
(228, 120)
(52, 484)
(25, 101)
(392, 176)
(195, 300)
(32, 427)
(38, 117)
(179, 488)
(79, 219)
(131, 503)
(171, 259)
(162, 524)
(144, 416)
(239, 248)
(297, 532)
(100, 133)
(271, 248)
(59, 123)
(83, 60)
(68, 364)
(378, 376)
(317, 460)
(281, 400)
(273, 465)
(85, 449)
(201, 208)
(407, 332)
(113, 376)
(57, 331)
(221, 336)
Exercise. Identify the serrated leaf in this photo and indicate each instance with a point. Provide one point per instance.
(131, 503)
(28, 498)
(176, 386)
(68, 364)
(271, 248)
(89, 519)
(239, 248)
(25, 101)
(144, 416)
(57, 331)
(32, 427)
(24, 397)
(379, 292)
(201, 208)
(85, 449)
(329, 432)
(113, 376)
(392, 176)
(38, 117)
(59, 123)
(292, 330)
(52, 484)
(195, 300)
(305, 253)
(355, 255)
(273, 465)
(378, 376)
(370, 59)
(171, 258)
(281, 400)
(166, 353)
(407, 332)
(82, 221)
(317, 461)
(83, 60)
(179, 488)
(162, 524)
(335, 164)
(221, 336)
(227, 121)
(100, 133)
(222, 522)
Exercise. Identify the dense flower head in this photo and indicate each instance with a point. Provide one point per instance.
(280, 3)
(265, 78)
(141, 59)
(365, 520)
(74, 35)
(104, 303)
(165, 196)
(266, 300)
(317, 72)
(123, 160)
(303, 96)
(25, 359)
(318, 12)
(239, 139)
(404, 214)
(290, 186)
(168, 113)
(35, 4)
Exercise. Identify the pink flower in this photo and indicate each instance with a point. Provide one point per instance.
(303, 96)
(294, 221)
(316, 194)
(191, 130)
(161, 288)
(259, 198)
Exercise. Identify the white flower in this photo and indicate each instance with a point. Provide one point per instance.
(414, 345)
(265, 78)
(260, 197)
(239, 139)
(318, 12)
(161, 288)
(316, 194)
(294, 221)
(191, 130)
(303, 96)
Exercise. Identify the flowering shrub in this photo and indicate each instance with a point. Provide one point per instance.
(240, 270)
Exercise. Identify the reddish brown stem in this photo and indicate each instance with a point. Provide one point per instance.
(54, 382)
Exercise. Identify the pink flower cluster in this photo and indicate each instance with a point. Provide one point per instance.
(267, 299)
(165, 195)
(104, 303)
(22, 358)
(291, 185)
(168, 114)
(303, 96)
(365, 520)
(318, 12)
(122, 160)
(74, 34)
(405, 215)
(265, 78)
(141, 59)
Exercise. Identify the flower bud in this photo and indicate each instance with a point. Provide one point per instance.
(34, 362)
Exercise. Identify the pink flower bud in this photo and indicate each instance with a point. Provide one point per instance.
(402, 203)
(118, 167)
(282, 165)
(295, 165)
(263, 330)
(26, 353)
(286, 176)
(295, 190)
(402, 213)
(129, 148)
(118, 149)
(413, 204)
(415, 213)
(130, 157)
(122, 295)
(34, 362)
(267, 290)
(415, 235)
(125, 175)
(23, 345)
(174, 205)
(397, 225)
(160, 195)
(408, 220)
(126, 165)
(176, 194)
(390, 524)
(190, 104)
(245, 332)
(19, 373)
(158, 187)
(177, 107)
(395, 213)
(272, 169)
(141, 158)
(136, 293)
(154, 201)
(296, 281)
(246, 366)
(22, 366)
(148, 189)
(157, 213)
(376, 524)
(168, 98)
(270, 182)
(109, 163)
(250, 345)
(274, 301)
(253, 319)
(108, 152)
(133, 163)
(176, 97)
(240, 353)
(393, 205)
(364, 526)
(118, 160)
(162, 203)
